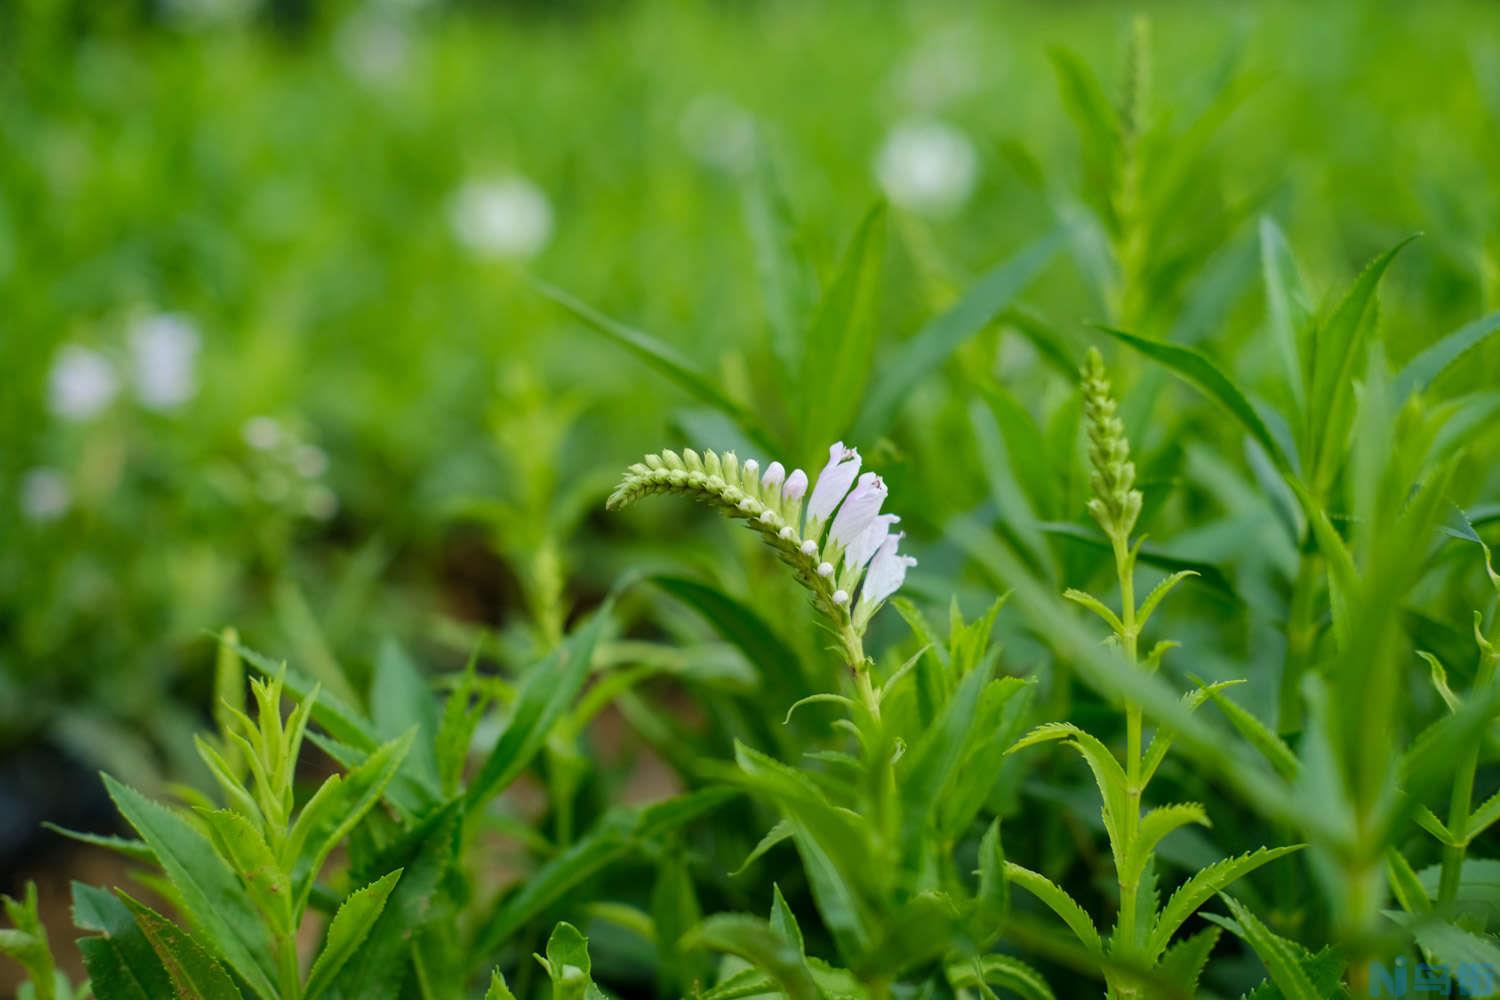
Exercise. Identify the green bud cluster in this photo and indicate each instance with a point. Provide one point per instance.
(1116, 504)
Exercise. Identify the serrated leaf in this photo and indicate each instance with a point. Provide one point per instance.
(498, 989)
(1283, 959)
(195, 974)
(1202, 887)
(1108, 775)
(1183, 963)
(214, 898)
(379, 966)
(1004, 971)
(1152, 827)
(1059, 902)
(355, 918)
(335, 809)
(121, 963)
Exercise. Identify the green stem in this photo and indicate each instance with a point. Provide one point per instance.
(1134, 785)
(1301, 636)
(1462, 802)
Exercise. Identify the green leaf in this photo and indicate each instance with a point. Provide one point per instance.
(568, 964)
(335, 809)
(1183, 963)
(992, 902)
(1270, 746)
(616, 834)
(379, 966)
(925, 351)
(833, 843)
(121, 963)
(1202, 887)
(195, 974)
(240, 843)
(1004, 971)
(932, 763)
(741, 626)
(1421, 371)
(354, 920)
(329, 711)
(498, 990)
(787, 282)
(1337, 349)
(779, 833)
(1199, 372)
(546, 693)
(1154, 826)
(656, 354)
(753, 940)
(839, 344)
(1059, 902)
(1453, 946)
(1158, 592)
(1284, 960)
(1405, 885)
(1108, 774)
(27, 943)
(213, 895)
(1478, 889)
(1098, 607)
(401, 699)
(1286, 300)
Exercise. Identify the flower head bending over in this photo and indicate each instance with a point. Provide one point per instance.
(851, 569)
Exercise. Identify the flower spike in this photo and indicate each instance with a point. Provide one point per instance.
(859, 543)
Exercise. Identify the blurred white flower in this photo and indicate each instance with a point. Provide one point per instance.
(164, 349)
(262, 433)
(504, 217)
(373, 47)
(201, 14)
(927, 166)
(82, 383)
(311, 461)
(45, 494)
(943, 67)
(718, 132)
(321, 503)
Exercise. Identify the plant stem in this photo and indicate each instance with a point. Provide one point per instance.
(1462, 801)
(854, 651)
(1301, 634)
(1128, 636)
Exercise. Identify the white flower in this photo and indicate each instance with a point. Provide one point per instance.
(321, 503)
(504, 217)
(942, 68)
(796, 486)
(868, 542)
(927, 166)
(775, 474)
(833, 482)
(718, 132)
(164, 349)
(311, 461)
(373, 47)
(82, 383)
(262, 433)
(858, 510)
(887, 574)
(45, 494)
